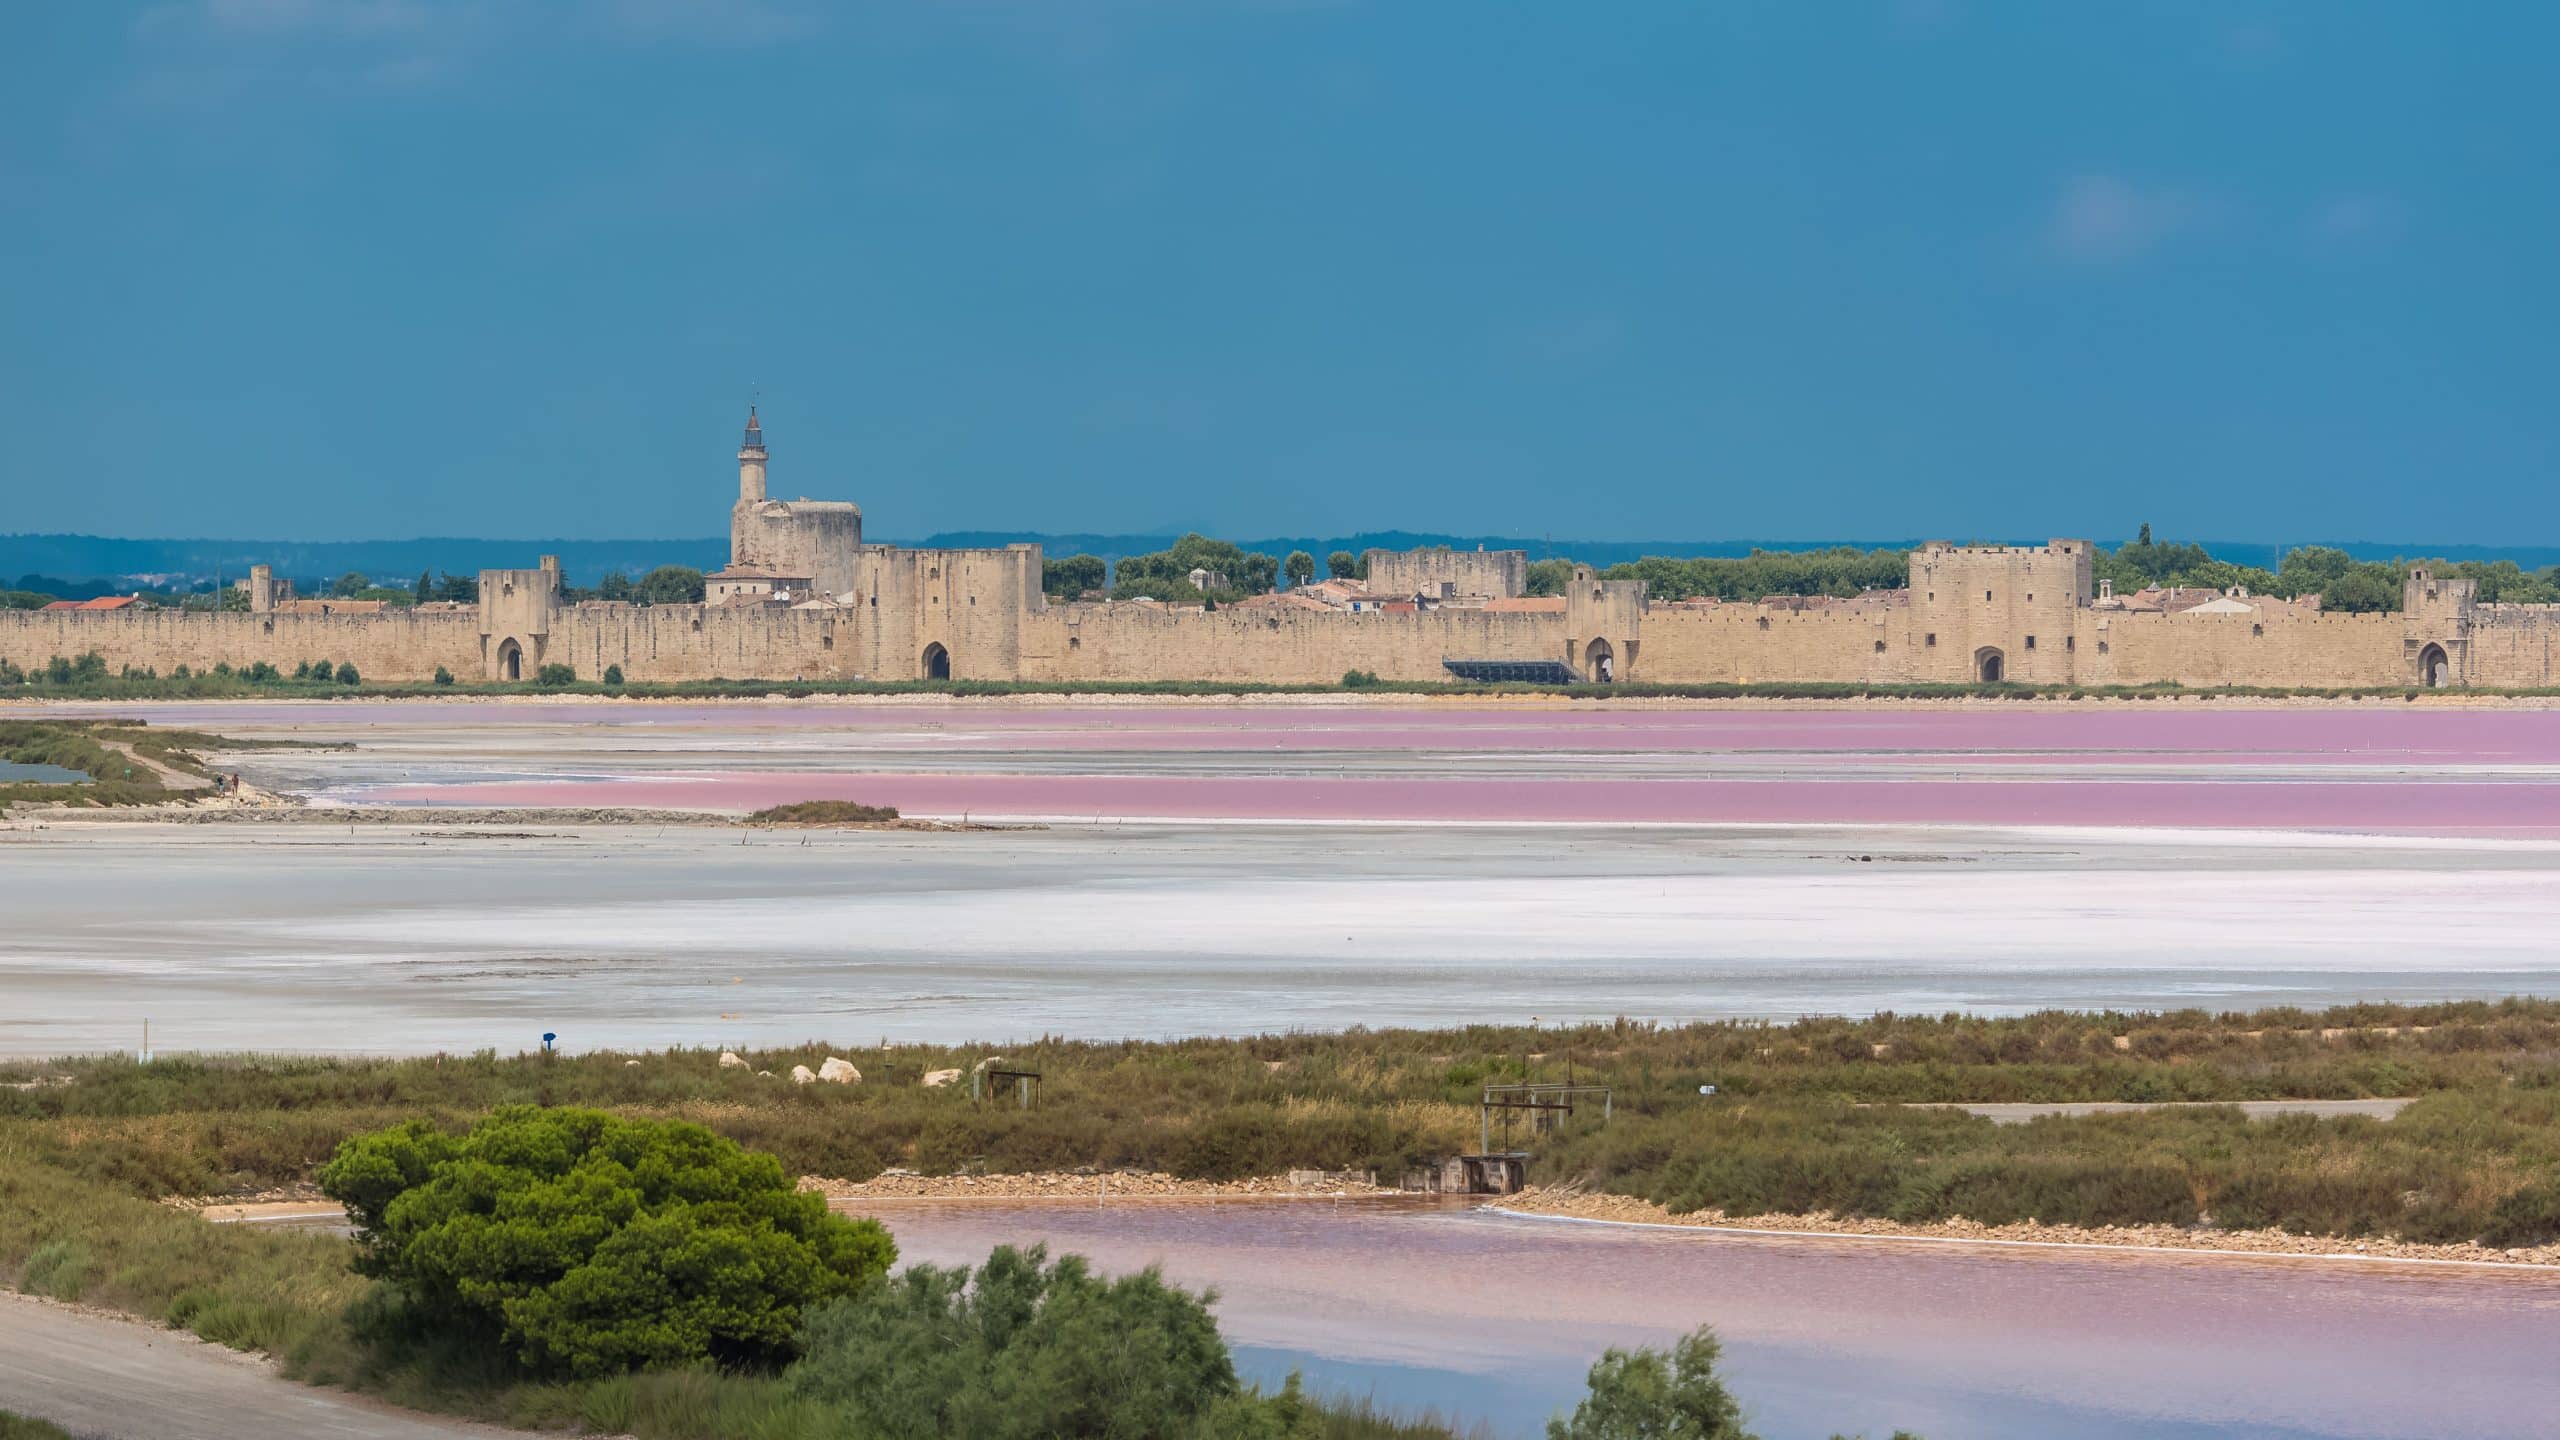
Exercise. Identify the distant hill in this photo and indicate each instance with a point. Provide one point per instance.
(96, 563)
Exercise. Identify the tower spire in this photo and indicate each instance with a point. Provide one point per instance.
(751, 459)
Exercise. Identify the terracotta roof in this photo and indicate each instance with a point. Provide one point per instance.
(103, 602)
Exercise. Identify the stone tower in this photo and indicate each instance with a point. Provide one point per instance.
(751, 462)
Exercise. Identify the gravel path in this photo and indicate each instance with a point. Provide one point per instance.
(2019, 1113)
(99, 1376)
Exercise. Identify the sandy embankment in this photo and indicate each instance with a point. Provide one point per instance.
(1623, 1209)
(1116, 1185)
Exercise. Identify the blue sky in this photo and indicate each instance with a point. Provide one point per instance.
(325, 269)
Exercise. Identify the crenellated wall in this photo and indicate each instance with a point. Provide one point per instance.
(2275, 648)
(1443, 573)
(1739, 644)
(1280, 647)
(394, 645)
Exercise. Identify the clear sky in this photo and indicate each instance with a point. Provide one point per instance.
(331, 269)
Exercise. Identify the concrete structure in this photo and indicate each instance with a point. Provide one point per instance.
(804, 597)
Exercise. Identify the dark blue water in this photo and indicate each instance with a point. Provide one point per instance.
(14, 772)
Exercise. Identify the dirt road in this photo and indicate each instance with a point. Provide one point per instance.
(97, 1376)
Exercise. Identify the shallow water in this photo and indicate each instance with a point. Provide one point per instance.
(2365, 767)
(312, 937)
(2353, 768)
(1495, 1319)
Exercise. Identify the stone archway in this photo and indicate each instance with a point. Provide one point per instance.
(2435, 670)
(1990, 666)
(937, 662)
(1600, 663)
(510, 660)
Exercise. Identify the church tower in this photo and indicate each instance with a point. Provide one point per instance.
(751, 462)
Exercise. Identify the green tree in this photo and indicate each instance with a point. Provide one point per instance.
(1646, 1394)
(615, 586)
(463, 588)
(1549, 577)
(351, 584)
(347, 673)
(1300, 567)
(670, 585)
(556, 673)
(613, 674)
(425, 589)
(1069, 576)
(1342, 565)
(1166, 574)
(583, 1244)
(443, 676)
(1031, 1350)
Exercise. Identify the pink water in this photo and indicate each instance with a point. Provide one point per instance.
(2431, 807)
(1498, 1318)
(2381, 767)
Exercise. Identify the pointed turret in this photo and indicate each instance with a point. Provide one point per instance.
(751, 462)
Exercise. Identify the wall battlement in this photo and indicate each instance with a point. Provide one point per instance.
(883, 612)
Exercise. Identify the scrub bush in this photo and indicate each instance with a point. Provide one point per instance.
(584, 1244)
(1030, 1350)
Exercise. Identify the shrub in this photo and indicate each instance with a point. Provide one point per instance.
(323, 668)
(260, 672)
(347, 673)
(824, 812)
(584, 1244)
(1359, 679)
(1646, 1394)
(613, 674)
(1031, 1350)
(59, 1268)
(556, 674)
(443, 676)
(2529, 1216)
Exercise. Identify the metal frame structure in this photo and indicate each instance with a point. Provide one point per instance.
(1543, 1101)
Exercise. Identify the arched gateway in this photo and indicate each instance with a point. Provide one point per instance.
(1990, 665)
(937, 662)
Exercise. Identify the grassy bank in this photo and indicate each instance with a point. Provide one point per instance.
(294, 1295)
(118, 756)
(1803, 1119)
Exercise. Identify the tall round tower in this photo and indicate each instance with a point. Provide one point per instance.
(751, 462)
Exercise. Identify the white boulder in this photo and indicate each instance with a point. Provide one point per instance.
(839, 1072)
(801, 1075)
(729, 1060)
(936, 1079)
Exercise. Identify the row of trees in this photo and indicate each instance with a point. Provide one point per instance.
(1166, 574)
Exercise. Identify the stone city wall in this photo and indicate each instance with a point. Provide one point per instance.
(1739, 644)
(395, 645)
(2114, 648)
(2511, 646)
(1444, 573)
(1280, 647)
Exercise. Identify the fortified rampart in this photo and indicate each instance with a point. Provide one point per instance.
(1441, 573)
(2024, 613)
